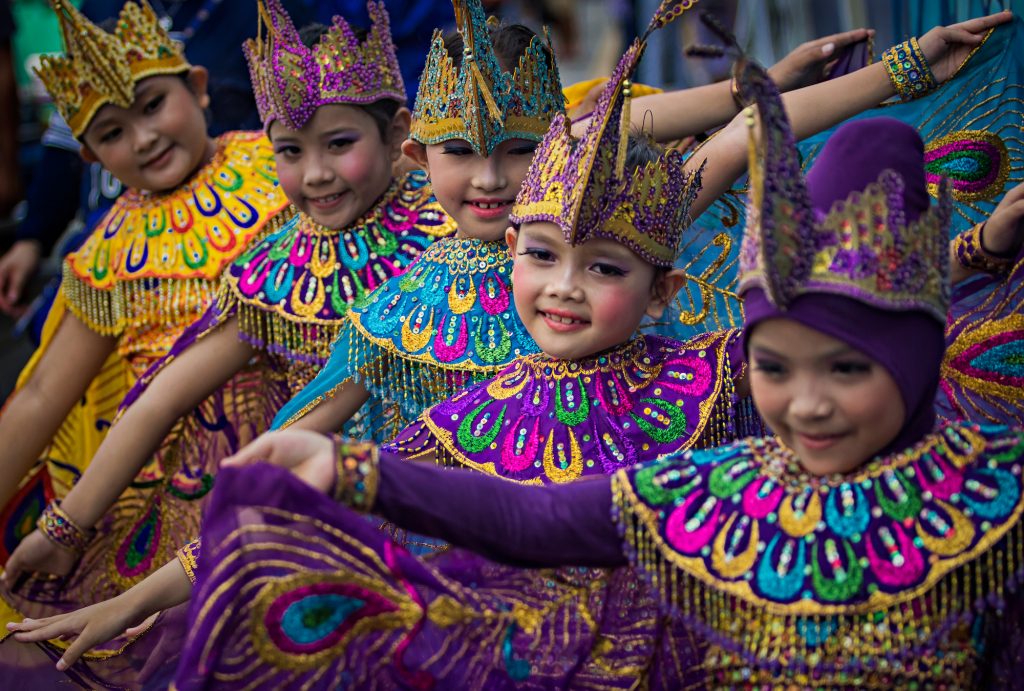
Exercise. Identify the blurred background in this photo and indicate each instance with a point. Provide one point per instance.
(49, 198)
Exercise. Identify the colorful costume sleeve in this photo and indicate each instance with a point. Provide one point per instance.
(295, 590)
(526, 526)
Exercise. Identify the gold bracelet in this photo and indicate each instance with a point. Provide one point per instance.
(971, 253)
(357, 474)
(189, 558)
(60, 529)
(908, 70)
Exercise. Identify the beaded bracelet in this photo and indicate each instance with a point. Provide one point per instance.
(356, 474)
(971, 253)
(188, 556)
(59, 528)
(908, 70)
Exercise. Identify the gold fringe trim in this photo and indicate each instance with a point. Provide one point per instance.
(747, 637)
(138, 303)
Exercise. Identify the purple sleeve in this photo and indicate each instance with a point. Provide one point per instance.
(1002, 666)
(555, 525)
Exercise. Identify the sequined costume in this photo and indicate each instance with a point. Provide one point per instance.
(904, 571)
(151, 267)
(418, 338)
(543, 420)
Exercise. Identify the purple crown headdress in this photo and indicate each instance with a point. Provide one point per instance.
(478, 101)
(290, 81)
(583, 185)
(868, 244)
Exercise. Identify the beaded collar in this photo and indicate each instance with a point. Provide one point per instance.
(189, 235)
(544, 420)
(296, 283)
(453, 309)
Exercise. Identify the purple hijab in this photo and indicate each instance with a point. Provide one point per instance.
(908, 343)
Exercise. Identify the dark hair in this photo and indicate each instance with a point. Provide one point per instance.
(510, 42)
(382, 112)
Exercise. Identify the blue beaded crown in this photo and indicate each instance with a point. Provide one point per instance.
(478, 101)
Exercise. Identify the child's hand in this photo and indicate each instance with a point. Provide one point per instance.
(90, 627)
(309, 455)
(1003, 233)
(38, 553)
(946, 47)
(808, 63)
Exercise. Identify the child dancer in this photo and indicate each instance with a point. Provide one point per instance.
(484, 102)
(285, 296)
(150, 268)
(858, 547)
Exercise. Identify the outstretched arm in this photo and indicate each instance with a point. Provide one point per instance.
(176, 390)
(818, 107)
(689, 112)
(35, 412)
(90, 626)
(528, 526)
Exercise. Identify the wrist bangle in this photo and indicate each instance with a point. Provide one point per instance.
(189, 558)
(60, 529)
(357, 474)
(734, 89)
(971, 254)
(908, 70)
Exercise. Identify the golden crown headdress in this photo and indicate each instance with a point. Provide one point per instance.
(478, 101)
(99, 67)
(583, 186)
(290, 81)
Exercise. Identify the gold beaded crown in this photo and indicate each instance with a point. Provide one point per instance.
(478, 101)
(583, 185)
(99, 67)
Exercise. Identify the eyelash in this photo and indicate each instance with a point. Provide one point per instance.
(524, 150)
(457, 150)
(342, 142)
(608, 270)
(538, 254)
(153, 105)
(111, 135)
(851, 368)
(289, 151)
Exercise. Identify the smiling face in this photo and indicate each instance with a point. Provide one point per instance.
(578, 301)
(161, 140)
(336, 167)
(476, 191)
(832, 405)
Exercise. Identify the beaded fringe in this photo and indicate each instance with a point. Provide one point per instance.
(912, 639)
(303, 341)
(137, 302)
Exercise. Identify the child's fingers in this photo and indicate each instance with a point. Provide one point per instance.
(75, 651)
(54, 629)
(259, 449)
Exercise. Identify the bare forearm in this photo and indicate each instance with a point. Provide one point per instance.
(166, 587)
(331, 413)
(685, 113)
(176, 390)
(34, 414)
(810, 110)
